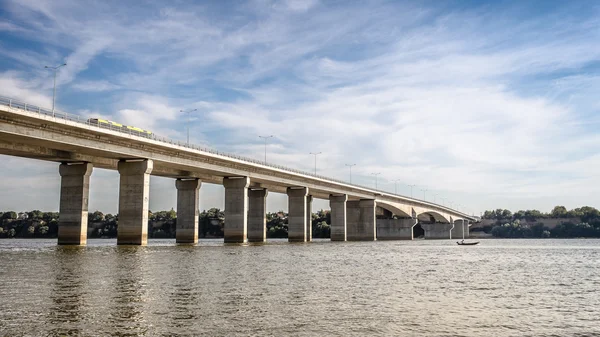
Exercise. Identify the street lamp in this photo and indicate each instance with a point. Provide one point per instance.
(376, 174)
(188, 122)
(434, 197)
(55, 69)
(396, 186)
(424, 190)
(265, 138)
(411, 187)
(315, 154)
(350, 166)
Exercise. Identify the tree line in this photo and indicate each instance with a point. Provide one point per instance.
(162, 224)
(582, 222)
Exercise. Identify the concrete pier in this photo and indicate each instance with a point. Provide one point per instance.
(187, 210)
(361, 220)
(457, 230)
(437, 231)
(134, 190)
(236, 209)
(309, 199)
(257, 215)
(73, 209)
(297, 199)
(395, 229)
(338, 217)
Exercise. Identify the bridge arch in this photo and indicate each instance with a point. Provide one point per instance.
(438, 217)
(403, 213)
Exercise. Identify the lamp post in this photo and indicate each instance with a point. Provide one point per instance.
(350, 166)
(55, 69)
(411, 188)
(315, 154)
(265, 138)
(188, 122)
(434, 197)
(376, 174)
(424, 190)
(396, 186)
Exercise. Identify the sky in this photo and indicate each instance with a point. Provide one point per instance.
(483, 104)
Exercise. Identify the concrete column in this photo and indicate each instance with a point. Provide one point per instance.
(437, 230)
(361, 220)
(395, 229)
(236, 209)
(338, 217)
(297, 214)
(467, 229)
(73, 209)
(134, 192)
(257, 215)
(187, 210)
(352, 220)
(457, 230)
(309, 200)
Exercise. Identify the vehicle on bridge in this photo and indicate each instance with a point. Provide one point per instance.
(114, 125)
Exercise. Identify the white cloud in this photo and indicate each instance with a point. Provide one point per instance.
(94, 86)
(14, 86)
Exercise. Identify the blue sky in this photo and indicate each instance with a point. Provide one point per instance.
(486, 104)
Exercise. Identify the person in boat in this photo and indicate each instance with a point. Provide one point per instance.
(462, 241)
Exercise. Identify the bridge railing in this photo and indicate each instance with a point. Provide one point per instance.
(7, 101)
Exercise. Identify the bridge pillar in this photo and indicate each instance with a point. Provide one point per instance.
(309, 199)
(134, 192)
(457, 230)
(395, 229)
(236, 209)
(338, 217)
(361, 220)
(297, 209)
(187, 210)
(74, 196)
(437, 230)
(257, 215)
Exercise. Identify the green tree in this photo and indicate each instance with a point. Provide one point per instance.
(43, 230)
(519, 215)
(559, 212)
(35, 215)
(97, 216)
(11, 215)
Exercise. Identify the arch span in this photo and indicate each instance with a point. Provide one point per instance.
(400, 212)
(438, 217)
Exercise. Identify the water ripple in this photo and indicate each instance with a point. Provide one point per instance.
(419, 288)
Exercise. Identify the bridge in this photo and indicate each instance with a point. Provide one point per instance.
(79, 145)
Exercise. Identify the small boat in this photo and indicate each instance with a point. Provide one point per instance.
(463, 243)
(467, 243)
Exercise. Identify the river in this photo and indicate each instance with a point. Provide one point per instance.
(386, 288)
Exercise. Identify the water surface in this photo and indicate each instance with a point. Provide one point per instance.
(385, 288)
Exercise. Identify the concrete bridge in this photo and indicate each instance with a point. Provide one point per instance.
(79, 146)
